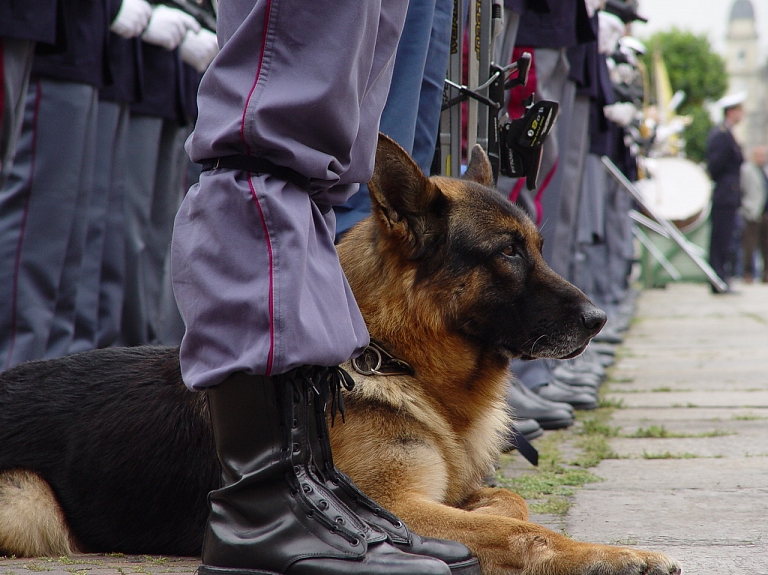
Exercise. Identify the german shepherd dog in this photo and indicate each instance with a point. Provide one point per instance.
(107, 451)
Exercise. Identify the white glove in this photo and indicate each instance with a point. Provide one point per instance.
(132, 18)
(593, 6)
(167, 27)
(621, 113)
(611, 29)
(199, 48)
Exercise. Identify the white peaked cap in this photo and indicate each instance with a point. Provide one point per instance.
(633, 44)
(731, 100)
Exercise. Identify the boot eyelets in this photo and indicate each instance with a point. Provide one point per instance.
(399, 524)
(296, 448)
(340, 520)
(354, 542)
(323, 505)
(307, 488)
(297, 469)
(295, 422)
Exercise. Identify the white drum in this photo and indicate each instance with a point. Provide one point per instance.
(678, 190)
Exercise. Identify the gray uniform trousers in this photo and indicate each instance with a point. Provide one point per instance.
(154, 164)
(561, 224)
(544, 203)
(99, 303)
(170, 320)
(255, 271)
(42, 220)
(604, 250)
(63, 328)
(590, 255)
(16, 65)
(619, 244)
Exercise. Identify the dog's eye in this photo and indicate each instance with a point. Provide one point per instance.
(512, 252)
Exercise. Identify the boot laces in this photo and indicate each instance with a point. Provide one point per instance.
(328, 383)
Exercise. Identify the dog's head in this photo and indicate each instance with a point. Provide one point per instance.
(452, 257)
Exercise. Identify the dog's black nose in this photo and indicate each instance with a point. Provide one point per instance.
(593, 319)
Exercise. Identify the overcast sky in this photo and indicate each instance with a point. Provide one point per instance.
(708, 17)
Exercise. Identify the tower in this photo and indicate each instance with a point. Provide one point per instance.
(745, 72)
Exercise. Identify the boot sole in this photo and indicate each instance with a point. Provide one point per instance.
(208, 570)
(555, 423)
(534, 435)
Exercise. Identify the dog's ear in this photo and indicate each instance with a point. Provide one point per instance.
(404, 199)
(479, 167)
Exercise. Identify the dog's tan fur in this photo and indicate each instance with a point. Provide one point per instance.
(33, 523)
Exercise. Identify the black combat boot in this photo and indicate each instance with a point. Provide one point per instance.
(271, 517)
(326, 386)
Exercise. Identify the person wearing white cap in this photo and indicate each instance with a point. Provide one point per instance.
(732, 100)
(724, 159)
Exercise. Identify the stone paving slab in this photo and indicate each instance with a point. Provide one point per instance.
(714, 416)
(693, 398)
(661, 378)
(699, 437)
(693, 364)
(696, 510)
(99, 564)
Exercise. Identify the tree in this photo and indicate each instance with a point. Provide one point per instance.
(696, 70)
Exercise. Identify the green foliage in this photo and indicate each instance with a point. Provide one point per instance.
(593, 438)
(556, 480)
(748, 417)
(594, 448)
(696, 70)
(548, 488)
(691, 65)
(695, 134)
(661, 432)
(598, 424)
(668, 455)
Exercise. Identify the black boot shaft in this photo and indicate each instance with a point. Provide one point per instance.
(271, 516)
(264, 478)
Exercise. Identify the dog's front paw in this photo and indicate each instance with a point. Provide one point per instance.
(660, 564)
(622, 561)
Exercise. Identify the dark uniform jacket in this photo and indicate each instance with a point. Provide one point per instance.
(29, 20)
(554, 24)
(81, 40)
(125, 68)
(169, 87)
(724, 159)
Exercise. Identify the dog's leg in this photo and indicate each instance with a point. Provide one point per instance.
(497, 502)
(31, 522)
(506, 545)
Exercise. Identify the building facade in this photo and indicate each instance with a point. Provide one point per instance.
(747, 72)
